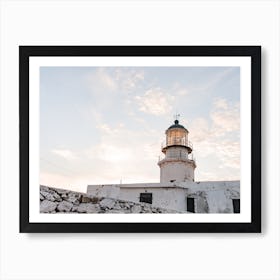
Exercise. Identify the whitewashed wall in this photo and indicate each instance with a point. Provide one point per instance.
(210, 197)
(177, 171)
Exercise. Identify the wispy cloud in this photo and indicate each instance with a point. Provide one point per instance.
(101, 79)
(225, 117)
(115, 79)
(155, 102)
(218, 137)
(125, 111)
(128, 79)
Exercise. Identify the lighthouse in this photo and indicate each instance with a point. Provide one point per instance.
(178, 164)
(177, 191)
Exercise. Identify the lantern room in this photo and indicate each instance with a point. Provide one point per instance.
(177, 135)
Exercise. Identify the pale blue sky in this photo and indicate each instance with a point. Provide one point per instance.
(104, 124)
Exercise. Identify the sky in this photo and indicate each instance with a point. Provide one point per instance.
(105, 125)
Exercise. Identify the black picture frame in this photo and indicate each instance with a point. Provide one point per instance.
(254, 52)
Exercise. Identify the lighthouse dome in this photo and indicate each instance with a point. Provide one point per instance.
(177, 125)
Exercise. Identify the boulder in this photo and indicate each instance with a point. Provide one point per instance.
(64, 206)
(74, 208)
(117, 206)
(88, 208)
(62, 191)
(44, 188)
(107, 203)
(47, 196)
(136, 209)
(47, 206)
(74, 198)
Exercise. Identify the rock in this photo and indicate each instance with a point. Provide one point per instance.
(126, 206)
(47, 206)
(85, 199)
(107, 203)
(47, 196)
(117, 206)
(74, 198)
(92, 208)
(88, 208)
(147, 209)
(44, 188)
(61, 201)
(136, 209)
(57, 196)
(61, 191)
(114, 211)
(64, 206)
(82, 208)
(74, 208)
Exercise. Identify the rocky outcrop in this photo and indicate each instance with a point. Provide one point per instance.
(54, 200)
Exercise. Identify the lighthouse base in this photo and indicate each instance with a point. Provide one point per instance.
(174, 170)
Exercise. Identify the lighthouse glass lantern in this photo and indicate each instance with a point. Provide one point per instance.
(178, 164)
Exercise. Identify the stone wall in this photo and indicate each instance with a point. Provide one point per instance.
(53, 200)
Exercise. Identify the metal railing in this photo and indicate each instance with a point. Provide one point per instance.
(191, 158)
(181, 142)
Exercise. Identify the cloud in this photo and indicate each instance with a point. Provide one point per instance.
(101, 79)
(155, 102)
(199, 128)
(114, 79)
(67, 154)
(216, 140)
(225, 117)
(128, 79)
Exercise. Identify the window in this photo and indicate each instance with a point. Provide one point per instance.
(190, 204)
(146, 197)
(236, 205)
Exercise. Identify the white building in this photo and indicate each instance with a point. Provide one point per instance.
(177, 189)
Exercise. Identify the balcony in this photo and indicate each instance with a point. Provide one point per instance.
(190, 159)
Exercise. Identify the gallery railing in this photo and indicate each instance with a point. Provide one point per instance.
(180, 142)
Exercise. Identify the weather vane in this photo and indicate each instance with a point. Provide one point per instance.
(176, 116)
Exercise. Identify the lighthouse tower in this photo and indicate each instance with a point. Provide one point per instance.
(178, 164)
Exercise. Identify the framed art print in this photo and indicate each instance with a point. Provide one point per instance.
(140, 138)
